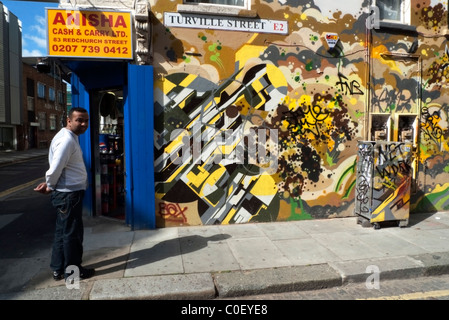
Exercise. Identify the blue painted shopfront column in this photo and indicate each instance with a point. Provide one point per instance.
(139, 128)
(80, 98)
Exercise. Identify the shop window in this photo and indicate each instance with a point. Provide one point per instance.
(41, 90)
(394, 11)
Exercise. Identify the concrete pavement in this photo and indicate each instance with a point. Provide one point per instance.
(224, 261)
(207, 262)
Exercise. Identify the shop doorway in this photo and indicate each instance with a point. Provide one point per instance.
(90, 80)
(108, 150)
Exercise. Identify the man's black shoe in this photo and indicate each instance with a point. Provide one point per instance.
(86, 273)
(58, 275)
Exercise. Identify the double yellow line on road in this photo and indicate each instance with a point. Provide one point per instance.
(20, 187)
(414, 295)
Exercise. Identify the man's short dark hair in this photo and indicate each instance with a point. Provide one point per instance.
(77, 109)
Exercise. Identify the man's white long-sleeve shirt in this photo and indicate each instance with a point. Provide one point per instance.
(67, 170)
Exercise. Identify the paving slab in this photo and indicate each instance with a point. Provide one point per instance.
(51, 294)
(257, 253)
(210, 231)
(327, 225)
(434, 240)
(435, 263)
(434, 222)
(167, 287)
(441, 217)
(386, 268)
(94, 241)
(213, 257)
(282, 231)
(390, 243)
(104, 224)
(287, 279)
(156, 235)
(346, 245)
(155, 258)
(107, 262)
(305, 251)
(239, 231)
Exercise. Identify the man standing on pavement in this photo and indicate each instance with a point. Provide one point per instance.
(66, 180)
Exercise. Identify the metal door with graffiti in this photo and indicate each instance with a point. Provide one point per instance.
(386, 168)
(384, 175)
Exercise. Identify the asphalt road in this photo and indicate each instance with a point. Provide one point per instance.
(17, 174)
(27, 219)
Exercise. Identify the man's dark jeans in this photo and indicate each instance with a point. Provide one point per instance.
(69, 233)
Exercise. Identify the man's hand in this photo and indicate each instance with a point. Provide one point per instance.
(42, 188)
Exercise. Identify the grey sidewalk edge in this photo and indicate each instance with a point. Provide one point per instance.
(180, 286)
(434, 264)
(405, 267)
(206, 286)
(209, 286)
(276, 280)
(52, 293)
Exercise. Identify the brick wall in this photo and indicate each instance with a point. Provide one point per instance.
(30, 135)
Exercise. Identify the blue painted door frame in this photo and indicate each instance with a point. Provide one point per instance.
(139, 142)
(80, 98)
(138, 137)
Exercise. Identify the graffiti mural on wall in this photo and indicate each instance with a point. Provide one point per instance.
(257, 127)
(434, 133)
(223, 187)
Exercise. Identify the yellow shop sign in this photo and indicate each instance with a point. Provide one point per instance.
(89, 34)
